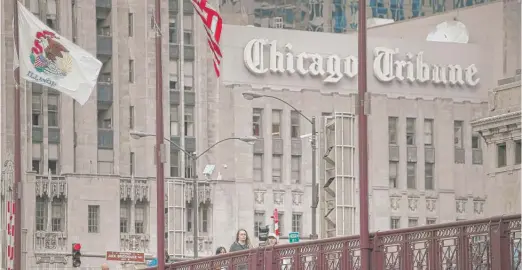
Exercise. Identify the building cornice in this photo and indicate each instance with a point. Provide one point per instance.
(497, 120)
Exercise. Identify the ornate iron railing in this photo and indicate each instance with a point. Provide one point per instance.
(485, 244)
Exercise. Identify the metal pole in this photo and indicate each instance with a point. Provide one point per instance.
(315, 199)
(160, 153)
(364, 233)
(195, 207)
(17, 155)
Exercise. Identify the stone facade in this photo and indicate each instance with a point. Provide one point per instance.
(88, 181)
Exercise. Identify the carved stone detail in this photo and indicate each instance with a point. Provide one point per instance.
(204, 192)
(50, 241)
(413, 203)
(478, 206)
(134, 242)
(134, 189)
(297, 198)
(7, 178)
(460, 206)
(395, 203)
(431, 204)
(204, 244)
(51, 187)
(259, 196)
(279, 197)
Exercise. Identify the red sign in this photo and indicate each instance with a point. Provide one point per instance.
(125, 256)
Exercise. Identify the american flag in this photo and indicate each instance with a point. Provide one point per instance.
(213, 24)
(10, 234)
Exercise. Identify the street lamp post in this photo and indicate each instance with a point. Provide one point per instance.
(193, 159)
(315, 199)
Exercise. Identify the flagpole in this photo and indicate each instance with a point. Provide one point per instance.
(17, 153)
(159, 151)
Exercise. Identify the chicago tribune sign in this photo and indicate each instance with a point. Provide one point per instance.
(387, 65)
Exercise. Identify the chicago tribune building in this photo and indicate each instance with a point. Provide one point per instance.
(87, 181)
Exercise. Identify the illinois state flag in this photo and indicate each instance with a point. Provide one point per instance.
(48, 59)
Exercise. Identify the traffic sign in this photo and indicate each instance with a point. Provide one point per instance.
(152, 263)
(293, 237)
(125, 256)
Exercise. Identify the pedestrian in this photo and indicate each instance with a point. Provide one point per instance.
(105, 267)
(272, 240)
(221, 250)
(242, 241)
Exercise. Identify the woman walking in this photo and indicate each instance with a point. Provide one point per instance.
(242, 241)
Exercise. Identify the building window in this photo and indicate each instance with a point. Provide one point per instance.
(52, 110)
(296, 169)
(258, 168)
(395, 223)
(428, 176)
(174, 120)
(297, 222)
(51, 23)
(204, 218)
(58, 215)
(501, 155)
(189, 121)
(124, 217)
(410, 131)
(458, 134)
(139, 219)
(189, 169)
(281, 217)
(517, 152)
(431, 221)
(131, 71)
(411, 172)
(413, 222)
(131, 117)
(187, 37)
(93, 219)
(259, 221)
(41, 214)
(53, 167)
(172, 85)
(189, 219)
(173, 36)
(131, 24)
(37, 166)
(476, 152)
(132, 162)
(37, 110)
(394, 171)
(277, 164)
(276, 123)
(392, 129)
(295, 117)
(257, 122)
(174, 163)
(428, 132)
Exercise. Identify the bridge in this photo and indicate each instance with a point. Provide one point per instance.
(485, 244)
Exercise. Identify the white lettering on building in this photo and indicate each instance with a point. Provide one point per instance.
(388, 65)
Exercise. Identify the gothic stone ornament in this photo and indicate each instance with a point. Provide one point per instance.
(431, 204)
(395, 202)
(259, 196)
(279, 197)
(478, 207)
(412, 203)
(297, 198)
(460, 206)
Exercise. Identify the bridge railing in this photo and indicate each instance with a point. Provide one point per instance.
(485, 244)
